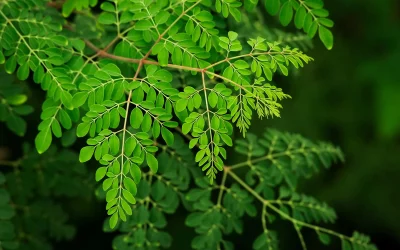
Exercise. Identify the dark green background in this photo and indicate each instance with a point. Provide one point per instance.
(350, 96)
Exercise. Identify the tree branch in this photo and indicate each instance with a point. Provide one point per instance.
(103, 53)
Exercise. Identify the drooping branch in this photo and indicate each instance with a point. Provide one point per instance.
(285, 215)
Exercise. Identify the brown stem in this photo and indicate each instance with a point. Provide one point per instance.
(103, 53)
(56, 5)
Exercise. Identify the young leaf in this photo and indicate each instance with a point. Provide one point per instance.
(326, 37)
(130, 185)
(113, 220)
(152, 162)
(272, 6)
(167, 136)
(286, 13)
(100, 173)
(43, 140)
(86, 153)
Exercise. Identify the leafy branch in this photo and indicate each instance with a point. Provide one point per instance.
(304, 209)
(125, 75)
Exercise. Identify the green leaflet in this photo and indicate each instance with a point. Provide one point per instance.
(326, 37)
(13, 104)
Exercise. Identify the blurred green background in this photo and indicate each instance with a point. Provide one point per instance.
(349, 96)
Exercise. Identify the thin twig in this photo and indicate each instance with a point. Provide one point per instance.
(222, 188)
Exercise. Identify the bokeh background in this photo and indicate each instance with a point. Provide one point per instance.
(349, 96)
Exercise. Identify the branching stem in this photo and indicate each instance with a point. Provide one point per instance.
(245, 186)
(124, 129)
(222, 187)
(104, 53)
(209, 122)
(288, 217)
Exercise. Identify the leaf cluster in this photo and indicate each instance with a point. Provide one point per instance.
(13, 105)
(33, 194)
(126, 75)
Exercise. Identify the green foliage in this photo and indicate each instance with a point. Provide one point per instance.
(13, 104)
(308, 15)
(143, 70)
(30, 215)
(70, 5)
(7, 232)
(159, 194)
(289, 157)
(271, 179)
